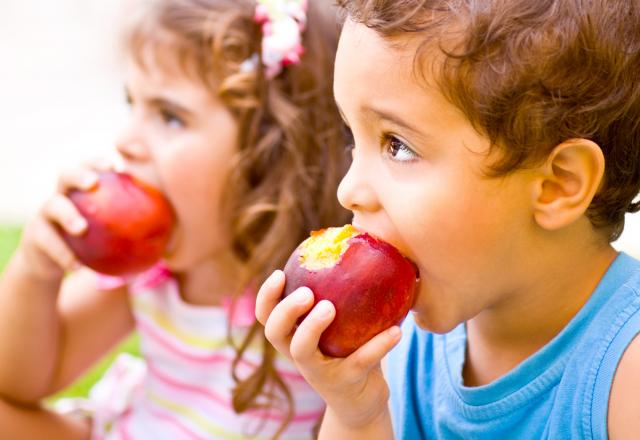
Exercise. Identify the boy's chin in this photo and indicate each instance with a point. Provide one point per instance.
(428, 323)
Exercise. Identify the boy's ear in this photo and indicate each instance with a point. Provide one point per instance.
(567, 182)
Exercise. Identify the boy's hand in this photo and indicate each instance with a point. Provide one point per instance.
(42, 251)
(353, 387)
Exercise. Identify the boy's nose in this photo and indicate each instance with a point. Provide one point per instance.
(356, 191)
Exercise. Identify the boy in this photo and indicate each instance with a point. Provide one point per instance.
(497, 145)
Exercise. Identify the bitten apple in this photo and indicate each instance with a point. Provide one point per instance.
(370, 283)
(129, 225)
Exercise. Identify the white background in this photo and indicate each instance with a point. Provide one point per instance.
(61, 97)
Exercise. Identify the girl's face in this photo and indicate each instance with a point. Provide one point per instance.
(181, 138)
(417, 181)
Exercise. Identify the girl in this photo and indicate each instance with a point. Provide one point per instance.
(233, 119)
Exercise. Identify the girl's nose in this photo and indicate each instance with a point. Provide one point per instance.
(131, 145)
(356, 191)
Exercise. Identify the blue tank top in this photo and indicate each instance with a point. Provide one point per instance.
(560, 392)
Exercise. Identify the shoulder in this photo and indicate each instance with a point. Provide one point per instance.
(624, 405)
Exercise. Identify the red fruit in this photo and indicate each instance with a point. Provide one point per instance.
(129, 225)
(370, 283)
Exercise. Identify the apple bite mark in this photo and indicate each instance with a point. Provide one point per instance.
(129, 225)
(324, 248)
(370, 283)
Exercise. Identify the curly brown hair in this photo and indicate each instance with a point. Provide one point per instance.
(532, 74)
(292, 140)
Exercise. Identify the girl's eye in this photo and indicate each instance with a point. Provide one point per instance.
(170, 119)
(127, 98)
(398, 150)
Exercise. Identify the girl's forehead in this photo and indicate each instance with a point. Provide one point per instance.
(165, 62)
(153, 80)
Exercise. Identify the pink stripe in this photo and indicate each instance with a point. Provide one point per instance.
(170, 419)
(149, 329)
(122, 430)
(298, 418)
(151, 278)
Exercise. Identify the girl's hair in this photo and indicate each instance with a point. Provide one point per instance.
(292, 140)
(531, 74)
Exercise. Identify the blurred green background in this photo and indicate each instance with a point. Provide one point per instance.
(9, 238)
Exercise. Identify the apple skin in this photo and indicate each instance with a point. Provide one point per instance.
(129, 225)
(372, 287)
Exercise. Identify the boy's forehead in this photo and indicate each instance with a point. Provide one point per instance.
(373, 66)
(359, 40)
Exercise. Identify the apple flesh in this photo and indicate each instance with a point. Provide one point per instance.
(370, 283)
(129, 225)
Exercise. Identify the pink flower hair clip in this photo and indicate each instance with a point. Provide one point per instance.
(283, 22)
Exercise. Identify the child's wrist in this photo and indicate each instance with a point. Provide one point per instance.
(40, 269)
(370, 416)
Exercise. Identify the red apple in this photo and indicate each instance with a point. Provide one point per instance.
(370, 283)
(129, 225)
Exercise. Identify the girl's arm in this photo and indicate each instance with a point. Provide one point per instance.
(51, 330)
(92, 321)
(48, 339)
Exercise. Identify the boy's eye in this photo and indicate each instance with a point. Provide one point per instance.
(171, 119)
(398, 150)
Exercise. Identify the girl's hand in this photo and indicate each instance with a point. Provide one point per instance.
(353, 387)
(43, 252)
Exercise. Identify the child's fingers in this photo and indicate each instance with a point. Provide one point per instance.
(102, 164)
(80, 178)
(60, 210)
(282, 320)
(371, 353)
(304, 343)
(269, 295)
(50, 242)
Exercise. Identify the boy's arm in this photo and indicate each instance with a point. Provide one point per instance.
(624, 405)
(354, 388)
(378, 429)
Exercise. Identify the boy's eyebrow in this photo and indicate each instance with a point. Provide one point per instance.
(375, 113)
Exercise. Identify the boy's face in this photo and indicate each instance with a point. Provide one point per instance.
(182, 139)
(417, 181)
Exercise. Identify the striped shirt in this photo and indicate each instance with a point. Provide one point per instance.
(182, 389)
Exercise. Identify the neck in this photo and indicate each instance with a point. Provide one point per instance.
(504, 335)
(207, 282)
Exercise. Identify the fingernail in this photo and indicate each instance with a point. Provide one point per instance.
(324, 309)
(275, 277)
(394, 332)
(303, 296)
(89, 180)
(78, 225)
